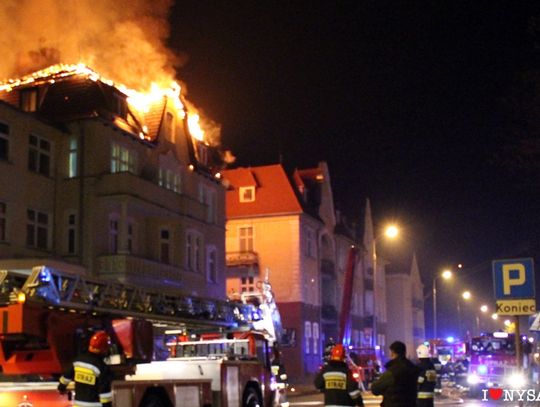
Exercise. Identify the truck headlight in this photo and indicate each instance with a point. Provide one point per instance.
(473, 379)
(516, 380)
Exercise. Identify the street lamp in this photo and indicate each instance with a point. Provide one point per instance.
(390, 232)
(446, 274)
(466, 295)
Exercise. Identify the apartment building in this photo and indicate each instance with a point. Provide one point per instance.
(284, 227)
(90, 184)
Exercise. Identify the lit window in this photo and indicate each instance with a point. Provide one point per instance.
(113, 234)
(4, 141)
(73, 157)
(120, 106)
(246, 238)
(315, 338)
(72, 233)
(2, 221)
(39, 155)
(247, 284)
(37, 229)
(29, 99)
(122, 159)
(164, 246)
(307, 337)
(211, 265)
(247, 194)
(170, 179)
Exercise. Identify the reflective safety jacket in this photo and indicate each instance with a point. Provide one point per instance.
(279, 372)
(340, 389)
(92, 379)
(427, 379)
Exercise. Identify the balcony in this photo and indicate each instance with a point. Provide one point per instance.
(125, 183)
(131, 269)
(246, 259)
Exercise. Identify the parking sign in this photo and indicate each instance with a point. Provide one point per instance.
(513, 281)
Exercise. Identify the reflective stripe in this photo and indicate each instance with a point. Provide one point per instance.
(87, 366)
(283, 376)
(354, 394)
(421, 379)
(65, 380)
(331, 375)
(425, 395)
(105, 397)
(78, 403)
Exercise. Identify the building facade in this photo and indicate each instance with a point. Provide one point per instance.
(89, 184)
(285, 228)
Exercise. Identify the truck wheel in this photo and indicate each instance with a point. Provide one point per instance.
(251, 398)
(153, 400)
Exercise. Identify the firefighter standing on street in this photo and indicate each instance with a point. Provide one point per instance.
(280, 376)
(91, 375)
(427, 378)
(336, 381)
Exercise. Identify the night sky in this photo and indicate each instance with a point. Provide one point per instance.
(406, 101)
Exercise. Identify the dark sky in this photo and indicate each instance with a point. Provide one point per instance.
(402, 99)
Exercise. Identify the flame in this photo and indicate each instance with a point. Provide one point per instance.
(140, 101)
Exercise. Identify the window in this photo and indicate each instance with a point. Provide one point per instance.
(247, 194)
(202, 153)
(246, 238)
(37, 229)
(130, 236)
(169, 126)
(29, 98)
(197, 253)
(315, 338)
(189, 250)
(207, 196)
(39, 155)
(73, 157)
(122, 159)
(307, 337)
(211, 265)
(120, 106)
(170, 179)
(72, 233)
(4, 141)
(194, 251)
(310, 242)
(247, 284)
(113, 234)
(2, 221)
(164, 246)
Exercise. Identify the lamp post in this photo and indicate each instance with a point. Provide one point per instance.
(390, 232)
(446, 274)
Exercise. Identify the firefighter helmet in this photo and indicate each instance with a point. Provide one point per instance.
(99, 343)
(422, 351)
(338, 353)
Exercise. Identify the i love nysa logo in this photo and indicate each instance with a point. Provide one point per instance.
(510, 394)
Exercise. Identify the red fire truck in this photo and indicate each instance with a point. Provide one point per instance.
(493, 362)
(47, 315)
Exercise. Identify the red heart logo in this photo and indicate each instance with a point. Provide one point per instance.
(495, 394)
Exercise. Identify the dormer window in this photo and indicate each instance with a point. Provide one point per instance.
(120, 106)
(247, 194)
(29, 99)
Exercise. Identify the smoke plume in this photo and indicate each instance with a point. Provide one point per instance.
(123, 40)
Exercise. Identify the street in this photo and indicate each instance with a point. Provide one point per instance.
(315, 399)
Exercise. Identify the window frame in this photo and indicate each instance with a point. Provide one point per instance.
(40, 155)
(37, 230)
(249, 239)
(3, 221)
(245, 190)
(4, 137)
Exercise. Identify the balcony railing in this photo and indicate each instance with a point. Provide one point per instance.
(235, 259)
(129, 268)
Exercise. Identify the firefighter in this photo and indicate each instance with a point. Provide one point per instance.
(427, 378)
(91, 375)
(280, 377)
(336, 381)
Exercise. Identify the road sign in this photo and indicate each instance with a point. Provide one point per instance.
(514, 286)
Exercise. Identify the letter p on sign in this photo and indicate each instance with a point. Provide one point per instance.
(513, 275)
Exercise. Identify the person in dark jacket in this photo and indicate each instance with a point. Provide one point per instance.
(427, 378)
(336, 382)
(91, 375)
(398, 383)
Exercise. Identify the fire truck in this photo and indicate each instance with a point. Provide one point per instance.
(48, 315)
(493, 362)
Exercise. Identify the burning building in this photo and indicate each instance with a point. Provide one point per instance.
(116, 182)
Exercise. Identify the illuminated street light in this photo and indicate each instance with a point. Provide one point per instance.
(466, 295)
(484, 308)
(446, 275)
(391, 231)
(494, 317)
